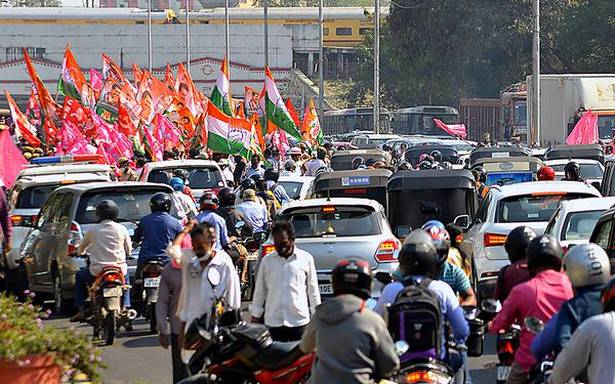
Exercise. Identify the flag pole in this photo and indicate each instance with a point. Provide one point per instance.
(188, 35)
(377, 66)
(266, 30)
(321, 70)
(149, 35)
(227, 33)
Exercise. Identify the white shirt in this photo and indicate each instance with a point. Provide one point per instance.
(197, 294)
(108, 244)
(313, 165)
(283, 288)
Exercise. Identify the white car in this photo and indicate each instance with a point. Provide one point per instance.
(505, 208)
(591, 170)
(297, 187)
(574, 220)
(372, 140)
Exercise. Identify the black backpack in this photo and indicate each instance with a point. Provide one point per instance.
(415, 317)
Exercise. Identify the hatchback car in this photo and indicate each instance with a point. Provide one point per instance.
(297, 187)
(591, 170)
(338, 228)
(505, 208)
(65, 217)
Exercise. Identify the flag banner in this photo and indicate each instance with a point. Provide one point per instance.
(165, 131)
(46, 102)
(169, 81)
(11, 159)
(137, 73)
(152, 146)
(276, 110)
(187, 91)
(23, 128)
(226, 134)
(251, 102)
(33, 110)
(293, 112)
(311, 129)
(221, 94)
(457, 130)
(585, 131)
(72, 82)
(74, 112)
(96, 81)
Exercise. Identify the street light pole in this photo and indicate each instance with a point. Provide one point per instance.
(188, 35)
(321, 69)
(377, 66)
(266, 30)
(535, 127)
(149, 35)
(227, 32)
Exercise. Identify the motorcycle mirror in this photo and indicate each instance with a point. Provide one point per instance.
(383, 277)
(533, 324)
(401, 347)
(239, 225)
(490, 306)
(213, 276)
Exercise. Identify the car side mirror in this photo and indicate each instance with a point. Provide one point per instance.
(402, 231)
(463, 221)
(383, 277)
(596, 184)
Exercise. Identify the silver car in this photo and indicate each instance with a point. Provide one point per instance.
(338, 228)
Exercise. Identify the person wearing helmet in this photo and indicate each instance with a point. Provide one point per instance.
(255, 167)
(572, 172)
(208, 204)
(418, 260)
(437, 156)
(425, 165)
(185, 176)
(311, 166)
(404, 166)
(480, 177)
(545, 173)
(516, 272)
(367, 353)
(592, 346)
(271, 182)
(540, 297)
(229, 212)
(358, 163)
(109, 245)
(589, 269)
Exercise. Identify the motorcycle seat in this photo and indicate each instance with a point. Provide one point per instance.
(278, 355)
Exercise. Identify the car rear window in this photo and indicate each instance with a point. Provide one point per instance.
(532, 207)
(133, 204)
(292, 188)
(34, 197)
(588, 171)
(200, 177)
(345, 221)
(579, 225)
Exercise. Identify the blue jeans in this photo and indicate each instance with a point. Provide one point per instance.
(83, 279)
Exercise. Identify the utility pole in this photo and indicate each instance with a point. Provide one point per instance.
(321, 69)
(188, 35)
(377, 66)
(266, 30)
(227, 33)
(149, 35)
(535, 123)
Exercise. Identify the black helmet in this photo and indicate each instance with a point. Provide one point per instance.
(181, 173)
(544, 252)
(403, 166)
(352, 276)
(608, 297)
(272, 175)
(256, 177)
(480, 174)
(226, 197)
(160, 202)
(357, 162)
(418, 255)
(425, 165)
(248, 183)
(208, 198)
(437, 155)
(517, 241)
(107, 210)
(572, 171)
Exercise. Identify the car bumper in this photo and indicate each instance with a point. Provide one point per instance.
(324, 279)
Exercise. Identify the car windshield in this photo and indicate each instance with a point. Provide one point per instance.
(341, 222)
(200, 177)
(34, 197)
(293, 188)
(531, 208)
(588, 171)
(133, 204)
(579, 225)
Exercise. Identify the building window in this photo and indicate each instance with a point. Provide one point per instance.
(343, 31)
(15, 53)
(364, 31)
(325, 31)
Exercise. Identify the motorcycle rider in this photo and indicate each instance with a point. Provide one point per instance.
(230, 213)
(480, 176)
(185, 176)
(254, 213)
(109, 245)
(209, 204)
(418, 259)
(271, 182)
(516, 272)
(591, 347)
(572, 172)
(589, 269)
(368, 353)
(540, 297)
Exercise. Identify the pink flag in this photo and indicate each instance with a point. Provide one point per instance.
(102, 129)
(104, 158)
(96, 80)
(586, 130)
(11, 159)
(72, 141)
(164, 131)
(452, 129)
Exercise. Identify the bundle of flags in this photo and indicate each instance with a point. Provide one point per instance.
(108, 114)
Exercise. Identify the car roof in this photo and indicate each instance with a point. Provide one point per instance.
(333, 201)
(589, 204)
(431, 179)
(180, 163)
(566, 161)
(303, 179)
(84, 187)
(544, 186)
(61, 169)
(30, 180)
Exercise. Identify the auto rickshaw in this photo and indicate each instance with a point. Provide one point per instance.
(448, 153)
(342, 160)
(582, 151)
(365, 183)
(479, 154)
(415, 197)
(509, 170)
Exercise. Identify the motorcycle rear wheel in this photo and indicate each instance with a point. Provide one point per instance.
(152, 318)
(109, 328)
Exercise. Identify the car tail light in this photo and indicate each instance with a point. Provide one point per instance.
(74, 237)
(16, 220)
(386, 251)
(267, 249)
(19, 220)
(494, 239)
(328, 209)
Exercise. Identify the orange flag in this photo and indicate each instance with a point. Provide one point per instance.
(292, 112)
(48, 105)
(23, 128)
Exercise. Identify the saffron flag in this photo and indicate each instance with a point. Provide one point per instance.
(136, 73)
(33, 111)
(46, 102)
(457, 130)
(293, 112)
(23, 128)
(221, 94)
(275, 108)
(311, 128)
(187, 91)
(74, 112)
(227, 134)
(11, 159)
(585, 131)
(169, 81)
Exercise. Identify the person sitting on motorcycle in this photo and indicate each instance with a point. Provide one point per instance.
(271, 182)
(367, 353)
(254, 213)
(516, 272)
(455, 254)
(589, 269)
(572, 172)
(109, 245)
(540, 297)
(272, 203)
(208, 205)
(591, 347)
(231, 214)
(418, 259)
(185, 176)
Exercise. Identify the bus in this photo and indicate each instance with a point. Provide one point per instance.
(419, 120)
(355, 119)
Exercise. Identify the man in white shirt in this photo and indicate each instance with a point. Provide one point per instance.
(313, 165)
(285, 283)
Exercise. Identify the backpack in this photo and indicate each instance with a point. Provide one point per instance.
(415, 317)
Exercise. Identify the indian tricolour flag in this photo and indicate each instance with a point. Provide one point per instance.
(221, 94)
(72, 82)
(276, 110)
(227, 134)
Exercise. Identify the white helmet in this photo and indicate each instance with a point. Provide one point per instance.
(586, 265)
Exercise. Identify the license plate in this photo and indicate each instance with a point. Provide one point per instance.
(253, 256)
(151, 282)
(326, 289)
(503, 372)
(112, 292)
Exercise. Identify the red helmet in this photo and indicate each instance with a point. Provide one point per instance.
(441, 238)
(545, 173)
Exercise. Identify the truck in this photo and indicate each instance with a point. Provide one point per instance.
(563, 100)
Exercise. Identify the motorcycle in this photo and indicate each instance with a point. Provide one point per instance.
(507, 342)
(228, 351)
(246, 265)
(150, 278)
(104, 309)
